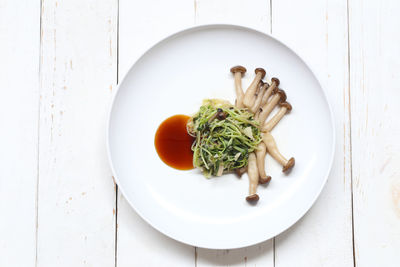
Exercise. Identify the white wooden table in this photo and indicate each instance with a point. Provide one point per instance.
(60, 62)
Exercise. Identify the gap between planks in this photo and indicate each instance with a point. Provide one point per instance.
(38, 133)
(350, 135)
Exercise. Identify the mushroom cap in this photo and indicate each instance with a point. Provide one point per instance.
(260, 86)
(264, 180)
(286, 105)
(261, 70)
(276, 81)
(282, 94)
(239, 173)
(288, 165)
(264, 84)
(252, 198)
(238, 68)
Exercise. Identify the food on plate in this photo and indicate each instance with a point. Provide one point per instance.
(226, 138)
(284, 108)
(270, 105)
(270, 90)
(252, 172)
(261, 152)
(238, 72)
(173, 144)
(259, 97)
(269, 141)
(250, 95)
(229, 143)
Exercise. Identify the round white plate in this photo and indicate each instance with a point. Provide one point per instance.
(173, 77)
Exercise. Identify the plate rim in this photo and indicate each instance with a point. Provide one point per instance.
(227, 26)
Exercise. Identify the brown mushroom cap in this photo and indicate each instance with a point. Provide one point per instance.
(264, 180)
(286, 105)
(241, 171)
(265, 84)
(238, 68)
(276, 81)
(260, 70)
(252, 198)
(288, 165)
(282, 94)
(260, 86)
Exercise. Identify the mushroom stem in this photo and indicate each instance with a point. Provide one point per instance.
(220, 169)
(273, 150)
(269, 106)
(238, 72)
(271, 89)
(257, 115)
(259, 97)
(249, 96)
(260, 155)
(285, 108)
(252, 171)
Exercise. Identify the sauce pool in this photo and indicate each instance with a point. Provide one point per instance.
(173, 143)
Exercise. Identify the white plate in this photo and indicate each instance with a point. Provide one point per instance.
(173, 77)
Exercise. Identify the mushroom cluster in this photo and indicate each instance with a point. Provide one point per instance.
(261, 98)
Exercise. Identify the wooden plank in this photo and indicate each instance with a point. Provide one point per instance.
(19, 68)
(76, 221)
(317, 30)
(375, 94)
(254, 14)
(257, 255)
(141, 24)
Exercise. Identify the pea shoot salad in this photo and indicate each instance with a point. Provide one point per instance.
(224, 137)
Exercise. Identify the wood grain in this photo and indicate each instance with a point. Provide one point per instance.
(19, 68)
(375, 95)
(58, 71)
(76, 205)
(255, 14)
(317, 30)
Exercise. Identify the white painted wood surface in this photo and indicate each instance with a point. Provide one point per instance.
(59, 64)
(19, 87)
(76, 197)
(375, 109)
